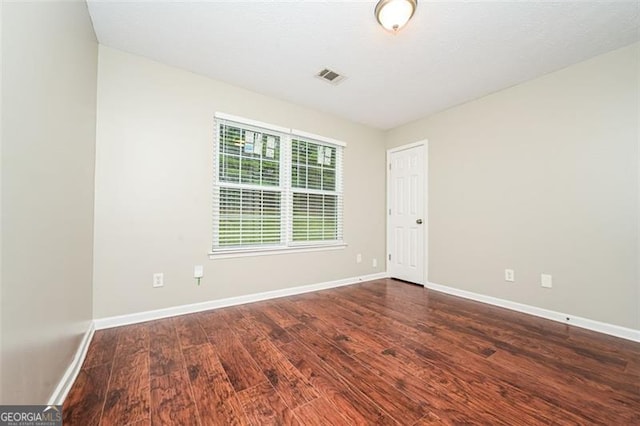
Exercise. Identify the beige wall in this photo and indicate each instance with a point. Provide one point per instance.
(1, 340)
(153, 190)
(49, 64)
(542, 178)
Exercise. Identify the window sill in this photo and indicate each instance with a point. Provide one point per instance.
(227, 254)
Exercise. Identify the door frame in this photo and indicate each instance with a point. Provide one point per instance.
(425, 183)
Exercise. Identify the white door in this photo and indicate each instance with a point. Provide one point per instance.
(406, 228)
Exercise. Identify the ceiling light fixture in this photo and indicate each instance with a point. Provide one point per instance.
(394, 14)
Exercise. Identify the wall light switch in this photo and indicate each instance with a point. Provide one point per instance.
(359, 258)
(198, 271)
(374, 263)
(546, 280)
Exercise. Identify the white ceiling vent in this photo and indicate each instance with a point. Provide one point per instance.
(330, 76)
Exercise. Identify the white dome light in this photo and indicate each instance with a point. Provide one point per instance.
(394, 14)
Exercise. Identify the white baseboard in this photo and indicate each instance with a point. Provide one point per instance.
(601, 327)
(138, 317)
(64, 386)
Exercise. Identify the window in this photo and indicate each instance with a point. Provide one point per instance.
(274, 188)
(313, 182)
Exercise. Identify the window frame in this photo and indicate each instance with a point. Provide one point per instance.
(285, 187)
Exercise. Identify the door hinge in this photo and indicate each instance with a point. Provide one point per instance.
(389, 256)
(389, 212)
(389, 166)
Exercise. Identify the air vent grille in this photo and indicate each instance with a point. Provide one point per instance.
(330, 76)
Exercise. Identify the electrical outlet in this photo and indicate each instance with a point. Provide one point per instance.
(198, 271)
(509, 275)
(374, 263)
(158, 279)
(359, 258)
(546, 280)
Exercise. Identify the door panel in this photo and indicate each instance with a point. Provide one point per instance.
(407, 218)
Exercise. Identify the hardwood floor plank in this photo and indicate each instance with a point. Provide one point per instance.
(189, 331)
(633, 369)
(171, 400)
(83, 405)
(550, 349)
(133, 339)
(203, 358)
(395, 334)
(233, 313)
(432, 419)
(402, 408)
(214, 396)
(346, 321)
(145, 422)
(319, 412)
(127, 399)
(531, 351)
(354, 405)
(591, 403)
(483, 382)
(283, 376)
(381, 352)
(436, 396)
(280, 316)
(102, 348)
(445, 395)
(276, 334)
(164, 348)
(560, 340)
(470, 338)
(405, 327)
(217, 321)
(263, 406)
(240, 367)
(341, 338)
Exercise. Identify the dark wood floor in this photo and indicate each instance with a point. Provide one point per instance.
(382, 352)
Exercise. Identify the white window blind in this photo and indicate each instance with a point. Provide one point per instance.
(273, 188)
(247, 192)
(316, 188)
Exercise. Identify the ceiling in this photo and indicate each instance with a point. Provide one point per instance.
(449, 53)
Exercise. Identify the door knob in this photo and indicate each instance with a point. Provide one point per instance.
(419, 221)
